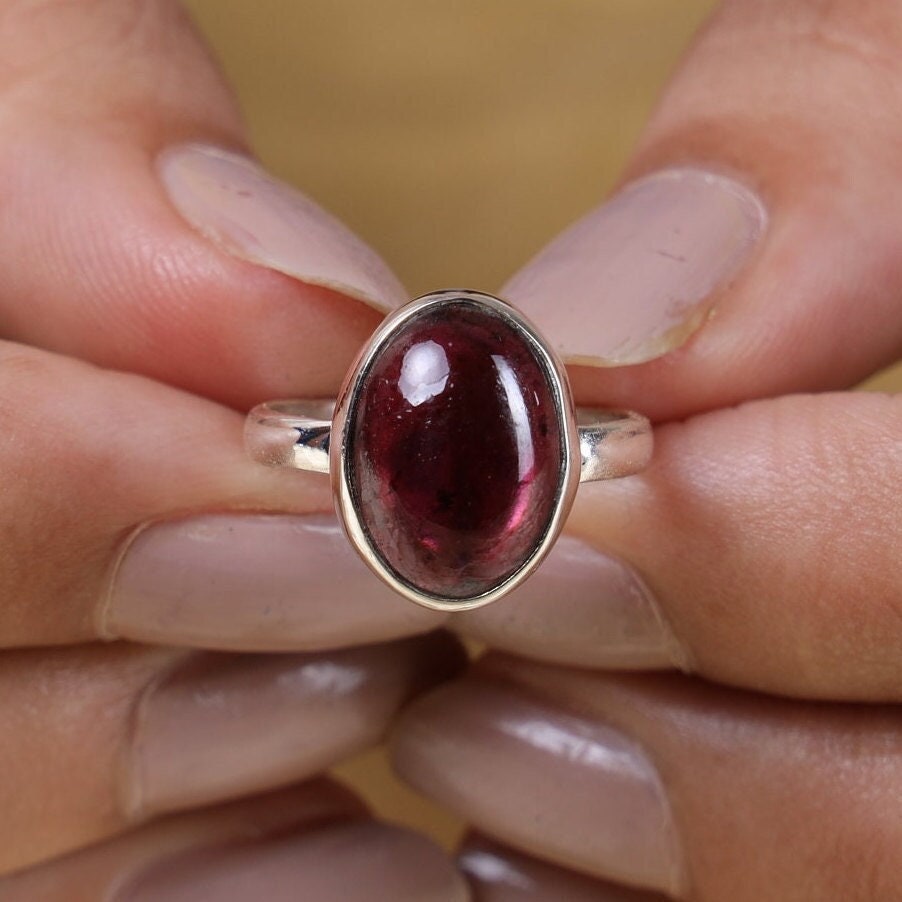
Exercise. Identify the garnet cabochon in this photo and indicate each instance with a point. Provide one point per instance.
(455, 450)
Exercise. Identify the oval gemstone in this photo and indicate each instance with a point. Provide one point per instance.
(455, 450)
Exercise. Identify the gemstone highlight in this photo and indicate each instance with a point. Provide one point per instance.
(455, 451)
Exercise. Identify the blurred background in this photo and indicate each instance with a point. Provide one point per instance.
(455, 136)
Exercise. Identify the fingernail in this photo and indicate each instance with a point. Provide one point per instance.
(635, 278)
(575, 792)
(360, 862)
(247, 581)
(498, 874)
(228, 725)
(242, 208)
(104, 870)
(581, 608)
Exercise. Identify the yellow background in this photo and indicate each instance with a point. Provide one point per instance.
(456, 136)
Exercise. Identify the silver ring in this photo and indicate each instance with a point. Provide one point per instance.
(454, 448)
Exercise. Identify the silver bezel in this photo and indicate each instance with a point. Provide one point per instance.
(340, 464)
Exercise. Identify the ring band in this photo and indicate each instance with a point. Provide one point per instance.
(296, 433)
(453, 447)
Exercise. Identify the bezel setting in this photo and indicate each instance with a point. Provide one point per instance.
(341, 467)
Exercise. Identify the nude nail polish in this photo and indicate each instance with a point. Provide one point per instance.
(573, 791)
(358, 862)
(238, 205)
(221, 726)
(583, 608)
(637, 277)
(252, 581)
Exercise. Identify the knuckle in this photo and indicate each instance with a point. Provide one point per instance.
(868, 31)
(46, 31)
(44, 41)
(821, 52)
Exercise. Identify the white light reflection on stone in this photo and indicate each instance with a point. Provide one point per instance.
(424, 372)
(526, 456)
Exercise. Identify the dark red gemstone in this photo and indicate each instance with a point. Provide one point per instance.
(455, 450)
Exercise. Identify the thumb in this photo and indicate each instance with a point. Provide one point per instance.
(137, 232)
(754, 248)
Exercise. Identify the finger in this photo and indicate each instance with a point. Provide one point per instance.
(314, 835)
(668, 783)
(174, 550)
(147, 731)
(499, 874)
(741, 532)
(767, 538)
(755, 250)
(136, 232)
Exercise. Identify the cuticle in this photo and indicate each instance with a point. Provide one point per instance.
(677, 650)
(131, 779)
(717, 168)
(102, 610)
(489, 672)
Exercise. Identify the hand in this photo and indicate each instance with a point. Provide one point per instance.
(142, 298)
(760, 552)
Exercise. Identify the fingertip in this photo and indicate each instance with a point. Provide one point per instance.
(233, 201)
(634, 279)
(138, 236)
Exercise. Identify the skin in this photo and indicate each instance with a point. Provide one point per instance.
(116, 308)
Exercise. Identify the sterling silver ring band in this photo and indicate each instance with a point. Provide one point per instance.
(297, 433)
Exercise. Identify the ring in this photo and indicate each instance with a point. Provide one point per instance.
(454, 448)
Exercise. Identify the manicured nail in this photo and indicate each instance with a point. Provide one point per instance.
(581, 608)
(237, 204)
(575, 792)
(246, 581)
(498, 874)
(360, 862)
(635, 278)
(228, 725)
